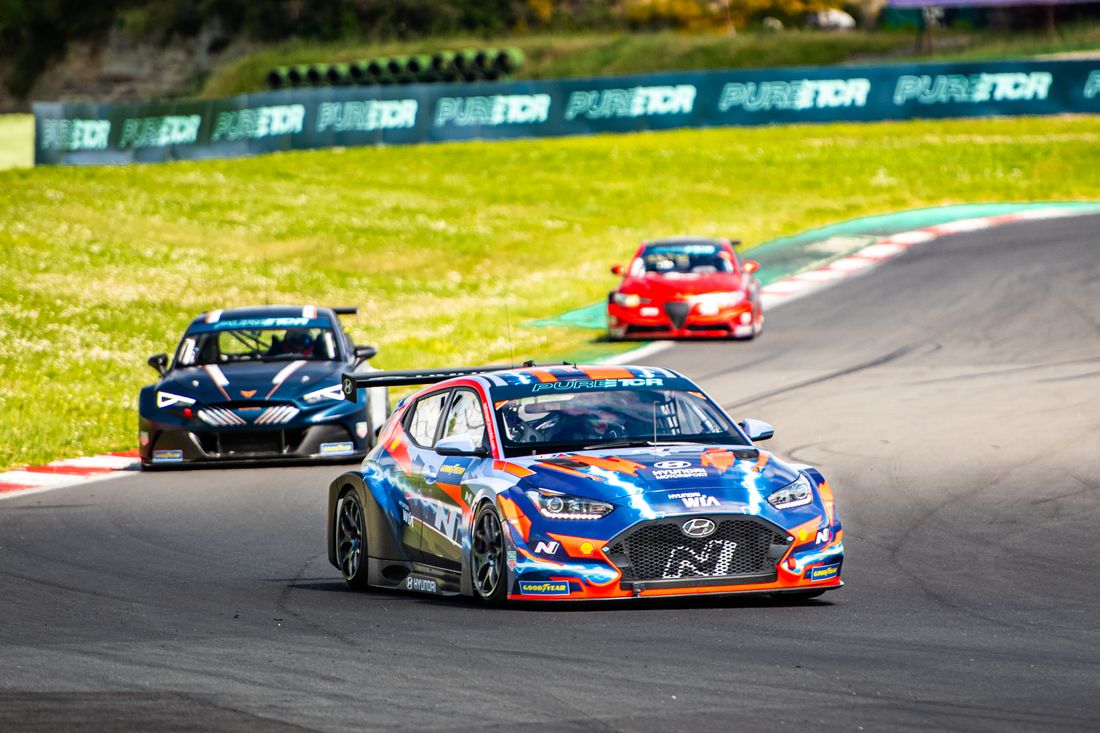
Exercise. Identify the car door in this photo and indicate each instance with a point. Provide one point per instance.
(445, 512)
(421, 427)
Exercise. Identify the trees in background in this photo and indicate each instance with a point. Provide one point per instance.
(33, 33)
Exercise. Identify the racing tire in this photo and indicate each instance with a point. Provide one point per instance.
(488, 569)
(351, 540)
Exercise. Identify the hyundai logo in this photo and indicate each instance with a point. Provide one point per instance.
(349, 386)
(698, 527)
(671, 464)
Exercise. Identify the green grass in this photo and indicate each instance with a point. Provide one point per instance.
(16, 141)
(106, 265)
(581, 55)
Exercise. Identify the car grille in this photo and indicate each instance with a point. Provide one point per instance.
(677, 312)
(243, 443)
(277, 415)
(220, 416)
(231, 414)
(661, 551)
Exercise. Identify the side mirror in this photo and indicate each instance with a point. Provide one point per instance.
(365, 353)
(750, 266)
(459, 445)
(159, 362)
(616, 269)
(757, 429)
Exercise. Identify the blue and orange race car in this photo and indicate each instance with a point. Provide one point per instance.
(576, 483)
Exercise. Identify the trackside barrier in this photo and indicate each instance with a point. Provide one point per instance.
(296, 119)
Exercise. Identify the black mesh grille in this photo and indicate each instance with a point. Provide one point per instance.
(249, 442)
(661, 551)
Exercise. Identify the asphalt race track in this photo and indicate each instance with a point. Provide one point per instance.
(952, 397)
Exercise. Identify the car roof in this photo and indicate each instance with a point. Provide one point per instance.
(543, 373)
(264, 311)
(565, 373)
(684, 240)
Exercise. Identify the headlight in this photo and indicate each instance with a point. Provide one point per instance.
(721, 299)
(167, 399)
(554, 505)
(798, 493)
(335, 392)
(628, 300)
(728, 300)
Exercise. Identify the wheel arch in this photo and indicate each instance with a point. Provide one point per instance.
(483, 496)
(343, 483)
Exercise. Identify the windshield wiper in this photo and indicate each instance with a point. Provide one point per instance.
(639, 443)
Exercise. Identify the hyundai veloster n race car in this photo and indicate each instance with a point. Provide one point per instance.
(257, 384)
(576, 482)
(686, 288)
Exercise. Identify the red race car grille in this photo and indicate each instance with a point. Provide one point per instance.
(661, 551)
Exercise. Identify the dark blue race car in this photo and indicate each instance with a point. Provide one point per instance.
(257, 384)
(577, 483)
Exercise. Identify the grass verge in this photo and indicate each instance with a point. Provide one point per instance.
(106, 265)
(16, 141)
(583, 55)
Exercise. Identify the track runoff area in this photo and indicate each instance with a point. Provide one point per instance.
(952, 394)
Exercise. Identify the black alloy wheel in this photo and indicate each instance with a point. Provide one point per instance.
(488, 570)
(351, 541)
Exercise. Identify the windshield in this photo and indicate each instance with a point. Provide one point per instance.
(684, 259)
(547, 423)
(257, 344)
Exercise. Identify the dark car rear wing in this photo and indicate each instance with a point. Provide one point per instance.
(346, 310)
(352, 381)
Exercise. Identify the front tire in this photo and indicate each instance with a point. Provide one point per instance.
(351, 540)
(488, 570)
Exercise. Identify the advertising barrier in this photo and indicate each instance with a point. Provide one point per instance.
(296, 119)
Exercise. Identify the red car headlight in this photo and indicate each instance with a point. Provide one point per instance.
(628, 300)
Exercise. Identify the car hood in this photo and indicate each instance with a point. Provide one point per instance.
(682, 476)
(652, 285)
(252, 380)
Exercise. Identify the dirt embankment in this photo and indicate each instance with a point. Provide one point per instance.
(122, 68)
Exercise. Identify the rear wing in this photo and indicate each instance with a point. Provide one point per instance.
(351, 382)
(348, 310)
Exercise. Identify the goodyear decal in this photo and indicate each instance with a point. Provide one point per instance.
(167, 456)
(335, 449)
(824, 572)
(544, 587)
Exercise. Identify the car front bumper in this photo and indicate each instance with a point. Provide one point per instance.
(591, 569)
(166, 446)
(678, 319)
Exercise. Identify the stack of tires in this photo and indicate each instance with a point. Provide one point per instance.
(483, 64)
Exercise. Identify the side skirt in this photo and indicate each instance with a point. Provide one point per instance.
(415, 576)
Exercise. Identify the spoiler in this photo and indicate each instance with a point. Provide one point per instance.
(352, 381)
(349, 310)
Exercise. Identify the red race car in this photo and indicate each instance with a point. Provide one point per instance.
(686, 287)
